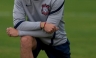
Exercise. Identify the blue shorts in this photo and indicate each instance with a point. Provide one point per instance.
(60, 51)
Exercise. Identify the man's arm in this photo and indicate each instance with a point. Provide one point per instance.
(37, 33)
(19, 17)
(14, 33)
(56, 13)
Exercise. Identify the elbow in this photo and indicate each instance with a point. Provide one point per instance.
(17, 25)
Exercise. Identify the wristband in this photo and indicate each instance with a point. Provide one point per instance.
(44, 25)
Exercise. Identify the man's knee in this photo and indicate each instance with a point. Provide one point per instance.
(26, 42)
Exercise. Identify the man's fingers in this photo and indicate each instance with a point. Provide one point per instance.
(53, 30)
(56, 28)
(8, 31)
(9, 28)
(8, 34)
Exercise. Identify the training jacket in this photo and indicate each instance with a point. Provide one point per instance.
(27, 15)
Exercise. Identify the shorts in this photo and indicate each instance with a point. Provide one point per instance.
(60, 51)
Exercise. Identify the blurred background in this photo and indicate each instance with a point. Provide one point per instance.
(80, 19)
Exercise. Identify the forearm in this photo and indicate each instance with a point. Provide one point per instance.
(28, 26)
(37, 33)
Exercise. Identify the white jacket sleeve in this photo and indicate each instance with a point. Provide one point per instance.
(56, 13)
(19, 17)
(37, 33)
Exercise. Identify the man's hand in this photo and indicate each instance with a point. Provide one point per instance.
(49, 28)
(12, 32)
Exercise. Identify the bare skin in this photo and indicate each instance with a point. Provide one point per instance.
(49, 28)
(28, 43)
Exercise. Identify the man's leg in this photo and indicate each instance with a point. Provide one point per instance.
(60, 51)
(28, 43)
(38, 47)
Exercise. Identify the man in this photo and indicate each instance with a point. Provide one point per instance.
(40, 25)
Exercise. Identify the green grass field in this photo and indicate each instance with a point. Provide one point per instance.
(80, 18)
